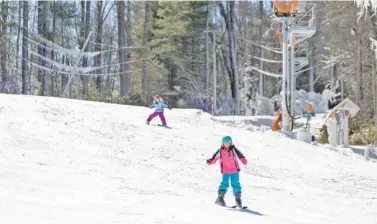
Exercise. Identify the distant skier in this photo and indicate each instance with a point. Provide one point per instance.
(206, 106)
(230, 169)
(159, 104)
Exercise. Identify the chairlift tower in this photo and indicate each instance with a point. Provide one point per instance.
(295, 29)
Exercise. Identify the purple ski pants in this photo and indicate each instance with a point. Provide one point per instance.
(155, 114)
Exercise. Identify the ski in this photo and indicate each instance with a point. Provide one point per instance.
(160, 125)
(235, 206)
(164, 126)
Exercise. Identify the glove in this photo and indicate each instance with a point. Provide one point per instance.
(244, 161)
(209, 161)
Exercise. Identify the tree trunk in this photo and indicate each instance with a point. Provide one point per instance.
(98, 45)
(206, 78)
(129, 43)
(373, 57)
(261, 76)
(43, 30)
(122, 51)
(193, 55)
(52, 37)
(109, 87)
(229, 16)
(25, 53)
(20, 8)
(144, 80)
(85, 19)
(46, 34)
(64, 77)
(3, 42)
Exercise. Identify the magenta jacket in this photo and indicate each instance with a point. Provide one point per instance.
(228, 159)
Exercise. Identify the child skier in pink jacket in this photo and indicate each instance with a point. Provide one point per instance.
(230, 169)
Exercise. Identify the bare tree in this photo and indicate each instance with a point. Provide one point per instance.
(98, 45)
(206, 78)
(43, 30)
(124, 78)
(85, 19)
(228, 13)
(25, 53)
(3, 42)
(144, 81)
(129, 42)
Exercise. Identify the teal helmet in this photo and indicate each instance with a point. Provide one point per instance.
(227, 139)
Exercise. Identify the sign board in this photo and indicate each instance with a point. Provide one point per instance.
(346, 104)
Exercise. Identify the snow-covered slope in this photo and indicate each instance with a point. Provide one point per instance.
(69, 161)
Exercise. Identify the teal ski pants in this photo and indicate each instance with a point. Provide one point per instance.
(234, 181)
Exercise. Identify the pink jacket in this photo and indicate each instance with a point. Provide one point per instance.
(228, 159)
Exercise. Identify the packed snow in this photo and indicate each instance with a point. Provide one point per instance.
(71, 161)
(264, 123)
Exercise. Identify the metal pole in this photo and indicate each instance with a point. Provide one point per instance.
(285, 123)
(214, 108)
(345, 129)
(292, 72)
(342, 87)
(76, 64)
(261, 76)
(311, 71)
(358, 71)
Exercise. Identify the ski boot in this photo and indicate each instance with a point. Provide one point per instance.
(220, 199)
(238, 200)
(147, 122)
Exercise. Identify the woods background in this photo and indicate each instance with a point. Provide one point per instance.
(136, 49)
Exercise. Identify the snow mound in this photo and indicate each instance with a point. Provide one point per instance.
(71, 161)
(250, 123)
(303, 99)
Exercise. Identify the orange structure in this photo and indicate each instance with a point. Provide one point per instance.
(286, 8)
(309, 108)
(275, 125)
